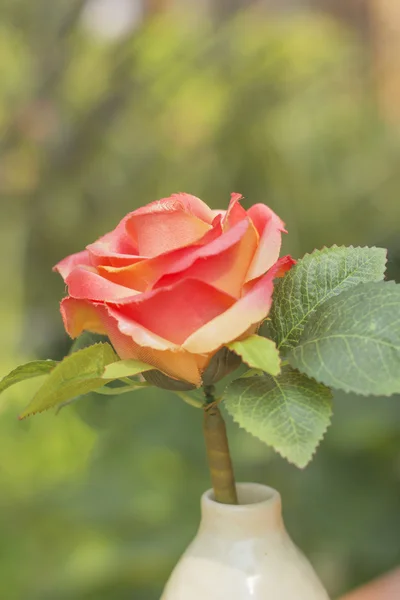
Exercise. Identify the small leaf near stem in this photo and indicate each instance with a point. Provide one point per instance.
(218, 455)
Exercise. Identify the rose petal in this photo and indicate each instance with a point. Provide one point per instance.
(80, 315)
(247, 311)
(65, 266)
(270, 228)
(83, 315)
(177, 364)
(223, 264)
(118, 248)
(85, 283)
(161, 232)
(283, 265)
(179, 202)
(168, 224)
(143, 275)
(235, 212)
(115, 248)
(99, 257)
(173, 313)
(168, 358)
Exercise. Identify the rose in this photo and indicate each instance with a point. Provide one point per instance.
(175, 281)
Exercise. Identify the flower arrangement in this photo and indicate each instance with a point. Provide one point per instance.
(186, 295)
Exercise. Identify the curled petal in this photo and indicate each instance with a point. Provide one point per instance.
(86, 284)
(65, 266)
(195, 206)
(79, 316)
(235, 212)
(251, 309)
(283, 265)
(270, 228)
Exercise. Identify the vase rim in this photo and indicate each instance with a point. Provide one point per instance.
(251, 496)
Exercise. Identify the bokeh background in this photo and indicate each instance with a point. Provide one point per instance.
(106, 105)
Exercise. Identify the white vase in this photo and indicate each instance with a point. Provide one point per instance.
(243, 552)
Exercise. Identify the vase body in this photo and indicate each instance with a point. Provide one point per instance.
(243, 552)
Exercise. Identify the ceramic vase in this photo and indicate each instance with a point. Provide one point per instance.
(243, 552)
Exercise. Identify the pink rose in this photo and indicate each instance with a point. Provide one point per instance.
(175, 281)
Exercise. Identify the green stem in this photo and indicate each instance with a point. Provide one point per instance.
(218, 455)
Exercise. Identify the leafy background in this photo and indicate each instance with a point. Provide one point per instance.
(99, 501)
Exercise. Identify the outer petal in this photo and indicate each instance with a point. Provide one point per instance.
(179, 365)
(65, 266)
(270, 228)
(173, 313)
(80, 315)
(247, 311)
(174, 362)
(168, 224)
(84, 283)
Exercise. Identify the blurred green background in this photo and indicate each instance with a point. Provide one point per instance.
(101, 112)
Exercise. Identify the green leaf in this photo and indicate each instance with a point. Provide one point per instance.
(353, 341)
(252, 373)
(107, 391)
(78, 374)
(258, 353)
(125, 368)
(87, 339)
(290, 413)
(35, 368)
(316, 278)
(123, 389)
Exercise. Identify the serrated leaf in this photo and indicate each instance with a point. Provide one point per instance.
(78, 374)
(31, 369)
(258, 353)
(125, 368)
(290, 412)
(86, 339)
(316, 278)
(353, 341)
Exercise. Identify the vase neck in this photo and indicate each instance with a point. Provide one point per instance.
(258, 513)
